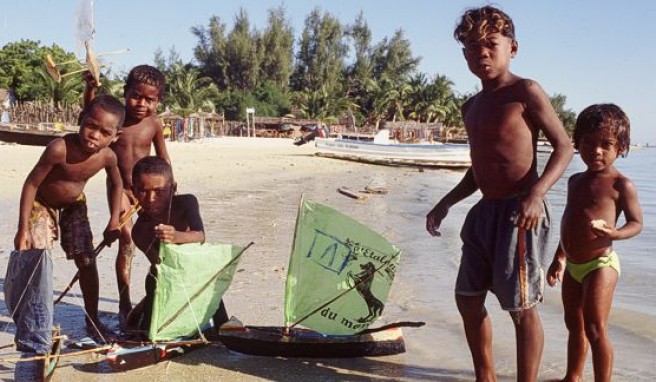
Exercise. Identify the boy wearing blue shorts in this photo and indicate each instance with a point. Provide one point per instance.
(504, 234)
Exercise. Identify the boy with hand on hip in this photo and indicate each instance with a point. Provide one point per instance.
(54, 191)
(143, 91)
(585, 261)
(504, 235)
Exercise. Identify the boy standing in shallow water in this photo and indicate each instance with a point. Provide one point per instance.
(504, 235)
(165, 218)
(54, 191)
(595, 199)
(143, 91)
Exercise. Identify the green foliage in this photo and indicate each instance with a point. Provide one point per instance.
(321, 55)
(566, 116)
(333, 71)
(276, 49)
(22, 68)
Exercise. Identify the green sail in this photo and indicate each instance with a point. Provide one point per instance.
(340, 272)
(191, 280)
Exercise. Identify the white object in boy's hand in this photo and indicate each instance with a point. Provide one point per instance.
(599, 224)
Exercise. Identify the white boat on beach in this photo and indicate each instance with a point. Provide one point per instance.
(383, 151)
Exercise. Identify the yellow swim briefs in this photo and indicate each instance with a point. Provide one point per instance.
(579, 271)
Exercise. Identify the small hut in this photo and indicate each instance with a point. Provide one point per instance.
(172, 124)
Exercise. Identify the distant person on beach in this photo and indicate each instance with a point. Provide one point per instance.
(167, 218)
(143, 91)
(505, 234)
(585, 261)
(53, 191)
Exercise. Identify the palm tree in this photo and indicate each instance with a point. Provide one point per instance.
(381, 95)
(65, 92)
(322, 104)
(188, 92)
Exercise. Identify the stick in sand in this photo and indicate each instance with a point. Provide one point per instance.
(96, 251)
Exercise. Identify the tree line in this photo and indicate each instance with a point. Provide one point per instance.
(332, 71)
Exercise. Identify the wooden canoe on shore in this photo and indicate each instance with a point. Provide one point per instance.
(271, 341)
(29, 136)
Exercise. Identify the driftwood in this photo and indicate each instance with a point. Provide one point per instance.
(351, 194)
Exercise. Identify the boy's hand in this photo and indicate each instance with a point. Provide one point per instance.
(131, 198)
(111, 235)
(555, 273)
(434, 219)
(601, 228)
(530, 212)
(23, 240)
(165, 233)
(89, 80)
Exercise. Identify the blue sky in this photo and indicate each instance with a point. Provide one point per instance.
(590, 51)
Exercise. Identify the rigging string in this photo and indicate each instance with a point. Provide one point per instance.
(95, 327)
(193, 312)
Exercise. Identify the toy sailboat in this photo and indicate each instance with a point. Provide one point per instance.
(340, 274)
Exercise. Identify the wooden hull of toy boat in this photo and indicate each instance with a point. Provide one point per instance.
(270, 341)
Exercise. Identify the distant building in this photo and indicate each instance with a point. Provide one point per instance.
(6, 102)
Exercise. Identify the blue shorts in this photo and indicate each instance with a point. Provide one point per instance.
(502, 258)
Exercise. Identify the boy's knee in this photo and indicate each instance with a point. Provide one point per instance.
(471, 306)
(85, 263)
(521, 317)
(126, 250)
(125, 237)
(594, 330)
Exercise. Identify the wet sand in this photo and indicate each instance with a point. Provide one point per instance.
(249, 190)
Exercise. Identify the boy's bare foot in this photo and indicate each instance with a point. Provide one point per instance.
(98, 332)
(123, 319)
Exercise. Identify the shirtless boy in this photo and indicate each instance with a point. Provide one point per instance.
(54, 191)
(585, 260)
(143, 91)
(505, 233)
(165, 218)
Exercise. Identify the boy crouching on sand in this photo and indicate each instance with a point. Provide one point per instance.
(54, 191)
(595, 199)
(167, 218)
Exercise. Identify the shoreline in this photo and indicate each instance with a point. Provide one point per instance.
(249, 189)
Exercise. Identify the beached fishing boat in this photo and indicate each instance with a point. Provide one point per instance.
(381, 150)
(340, 273)
(31, 136)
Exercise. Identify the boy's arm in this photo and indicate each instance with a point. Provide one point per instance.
(543, 116)
(465, 188)
(188, 205)
(630, 206)
(557, 267)
(89, 89)
(115, 193)
(158, 142)
(632, 211)
(53, 154)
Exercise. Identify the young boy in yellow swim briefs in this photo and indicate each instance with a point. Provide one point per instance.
(585, 261)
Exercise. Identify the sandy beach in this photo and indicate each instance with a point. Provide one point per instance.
(249, 190)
